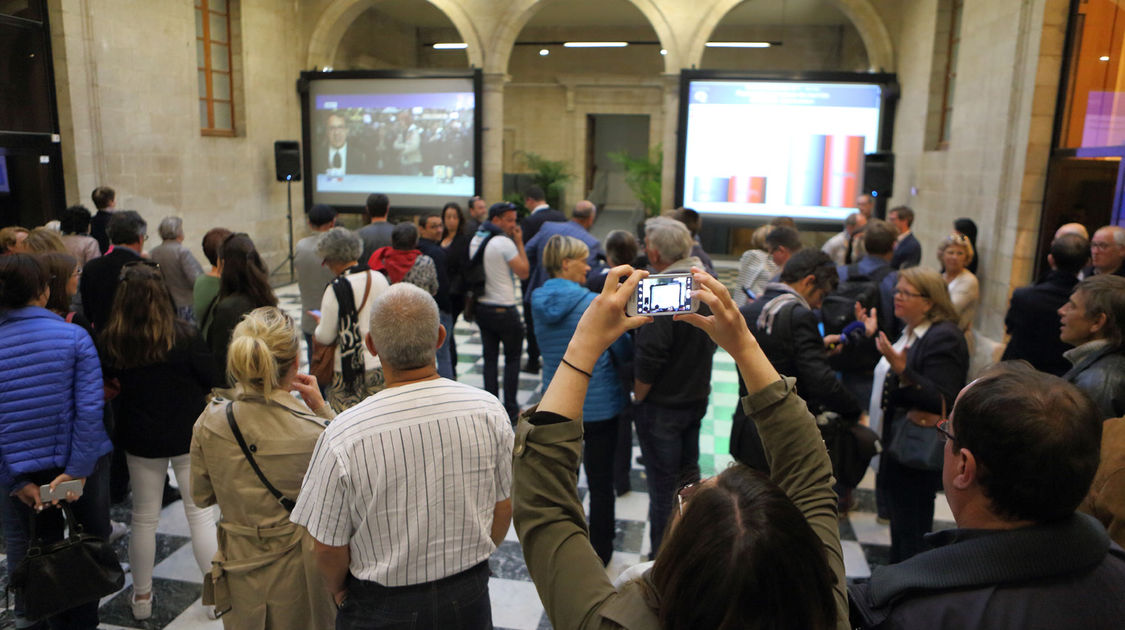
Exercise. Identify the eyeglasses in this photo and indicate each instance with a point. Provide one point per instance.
(1101, 245)
(943, 426)
(907, 294)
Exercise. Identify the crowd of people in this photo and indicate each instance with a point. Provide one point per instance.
(371, 491)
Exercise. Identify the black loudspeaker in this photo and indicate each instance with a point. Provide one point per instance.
(879, 174)
(287, 160)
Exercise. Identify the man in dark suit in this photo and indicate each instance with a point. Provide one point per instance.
(338, 157)
(104, 200)
(1033, 320)
(535, 200)
(908, 251)
(1107, 252)
(127, 232)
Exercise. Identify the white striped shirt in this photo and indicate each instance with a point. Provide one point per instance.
(409, 479)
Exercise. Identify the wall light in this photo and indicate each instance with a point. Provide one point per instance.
(451, 46)
(543, 52)
(663, 51)
(1103, 58)
(595, 44)
(739, 44)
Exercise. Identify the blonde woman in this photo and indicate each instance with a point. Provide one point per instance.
(955, 253)
(264, 574)
(922, 371)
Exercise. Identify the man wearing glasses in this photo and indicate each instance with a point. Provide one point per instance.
(1021, 449)
(1107, 252)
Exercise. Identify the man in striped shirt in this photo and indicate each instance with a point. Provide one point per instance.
(408, 492)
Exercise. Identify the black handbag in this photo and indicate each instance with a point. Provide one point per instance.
(914, 446)
(76, 570)
(850, 447)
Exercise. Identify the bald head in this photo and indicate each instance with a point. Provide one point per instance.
(584, 213)
(1072, 228)
(865, 204)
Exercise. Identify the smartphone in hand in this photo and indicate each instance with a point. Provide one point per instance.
(46, 495)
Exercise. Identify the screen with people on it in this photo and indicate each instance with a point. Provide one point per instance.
(756, 148)
(664, 295)
(411, 138)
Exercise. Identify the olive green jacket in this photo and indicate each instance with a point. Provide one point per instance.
(550, 522)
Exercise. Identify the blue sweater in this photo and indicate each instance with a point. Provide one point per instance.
(50, 397)
(556, 308)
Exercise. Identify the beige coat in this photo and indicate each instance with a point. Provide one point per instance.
(264, 574)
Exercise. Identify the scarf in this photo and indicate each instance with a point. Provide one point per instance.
(349, 343)
(395, 263)
(769, 313)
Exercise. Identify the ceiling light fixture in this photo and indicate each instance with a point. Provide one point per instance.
(543, 52)
(595, 44)
(740, 44)
(451, 46)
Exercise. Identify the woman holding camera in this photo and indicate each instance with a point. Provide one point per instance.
(742, 550)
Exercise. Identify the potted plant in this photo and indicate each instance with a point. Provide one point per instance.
(550, 175)
(643, 176)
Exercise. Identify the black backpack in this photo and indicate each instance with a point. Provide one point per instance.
(838, 310)
(474, 279)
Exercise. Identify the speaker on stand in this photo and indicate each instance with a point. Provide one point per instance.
(878, 179)
(287, 165)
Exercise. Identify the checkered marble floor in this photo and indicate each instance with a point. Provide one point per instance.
(515, 603)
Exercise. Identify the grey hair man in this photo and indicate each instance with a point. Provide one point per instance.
(412, 486)
(581, 220)
(1107, 252)
(179, 266)
(672, 381)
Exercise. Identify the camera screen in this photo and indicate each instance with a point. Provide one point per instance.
(664, 295)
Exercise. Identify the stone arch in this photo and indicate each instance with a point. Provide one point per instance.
(872, 30)
(519, 12)
(340, 14)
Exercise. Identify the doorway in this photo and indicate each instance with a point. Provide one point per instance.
(618, 207)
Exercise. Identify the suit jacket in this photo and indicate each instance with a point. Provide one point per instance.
(1033, 323)
(908, 253)
(98, 224)
(936, 367)
(534, 246)
(532, 222)
(99, 284)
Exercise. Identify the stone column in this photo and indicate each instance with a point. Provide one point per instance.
(671, 120)
(492, 137)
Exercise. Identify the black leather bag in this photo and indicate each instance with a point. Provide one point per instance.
(850, 447)
(76, 570)
(914, 446)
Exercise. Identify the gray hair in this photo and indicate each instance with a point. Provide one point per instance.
(670, 238)
(404, 327)
(171, 228)
(583, 209)
(339, 245)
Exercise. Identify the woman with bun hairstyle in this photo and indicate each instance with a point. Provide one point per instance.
(265, 573)
(165, 371)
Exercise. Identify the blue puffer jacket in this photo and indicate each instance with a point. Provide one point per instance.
(50, 396)
(556, 308)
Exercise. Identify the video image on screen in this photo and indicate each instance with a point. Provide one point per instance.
(762, 148)
(664, 295)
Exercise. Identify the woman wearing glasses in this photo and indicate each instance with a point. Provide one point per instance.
(918, 376)
(165, 370)
(741, 551)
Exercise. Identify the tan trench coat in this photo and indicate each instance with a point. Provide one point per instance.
(264, 574)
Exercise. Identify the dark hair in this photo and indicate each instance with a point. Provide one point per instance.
(811, 262)
(102, 197)
(1105, 294)
(786, 237)
(904, 214)
(472, 200)
(534, 192)
(378, 205)
(142, 327)
(1070, 252)
(460, 217)
(743, 556)
(499, 208)
(126, 227)
(404, 236)
(23, 278)
(1035, 437)
(879, 237)
(690, 218)
(212, 241)
(244, 272)
(967, 227)
(621, 247)
(60, 267)
(75, 220)
(321, 214)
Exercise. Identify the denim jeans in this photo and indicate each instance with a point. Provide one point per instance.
(458, 602)
(669, 440)
(444, 362)
(501, 324)
(599, 442)
(91, 510)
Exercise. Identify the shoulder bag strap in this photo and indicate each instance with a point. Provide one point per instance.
(285, 502)
(366, 292)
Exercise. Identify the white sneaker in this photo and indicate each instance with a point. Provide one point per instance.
(117, 530)
(142, 608)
